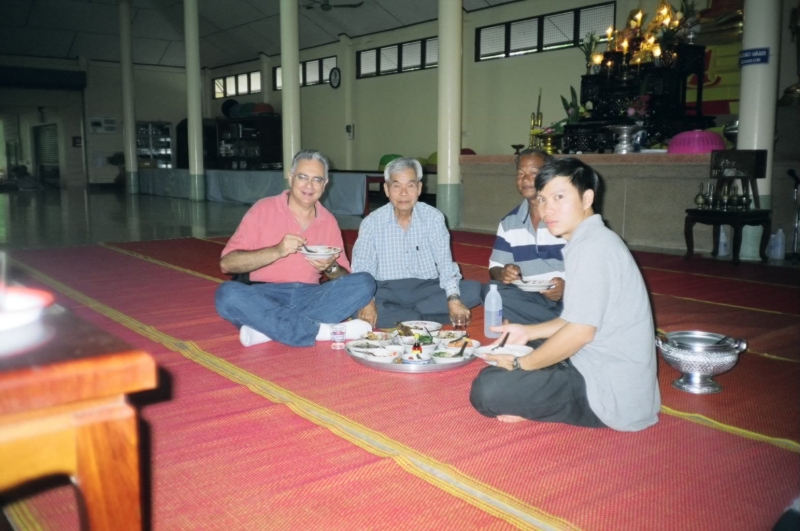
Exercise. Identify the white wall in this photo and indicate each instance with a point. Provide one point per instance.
(398, 113)
(160, 96)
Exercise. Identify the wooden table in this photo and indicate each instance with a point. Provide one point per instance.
(63, 410)
(736, 219)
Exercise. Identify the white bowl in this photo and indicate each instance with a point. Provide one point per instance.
(445, 360)
(450, 335)
(418, 327)
(514, 350)
(23, 306)
(467, 351)
(357, 347)
(319, 252)
(385, 354)
(384, 338)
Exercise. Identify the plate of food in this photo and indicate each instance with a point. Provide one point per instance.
(386, 354)
(533, 284)
(319, 252)
(514, 350)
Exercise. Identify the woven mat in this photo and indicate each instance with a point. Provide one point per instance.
(227, 458)
(578, 475)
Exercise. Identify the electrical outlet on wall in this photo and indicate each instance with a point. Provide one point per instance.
(350, 130)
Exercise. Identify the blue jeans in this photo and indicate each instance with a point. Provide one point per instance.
(291, 313)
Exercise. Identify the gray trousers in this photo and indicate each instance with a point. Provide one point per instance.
(553, 394)
(411, 299)
(524, 307)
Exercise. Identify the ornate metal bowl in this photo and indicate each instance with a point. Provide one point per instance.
(699, 356)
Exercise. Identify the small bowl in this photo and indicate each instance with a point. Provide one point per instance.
(514, 350)
(449, 335)
(443, 360)
(448, 345)
(419, 327)
(357, 347)
(23, 306)
(385, 354)
(412, 359)
(319, 252)
(384, 338)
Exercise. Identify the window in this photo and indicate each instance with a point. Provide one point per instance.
(396, 58)
(313, 72)
(552, 31)
(249, 83)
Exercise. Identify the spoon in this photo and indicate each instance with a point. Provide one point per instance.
(502, 342)
(461, 352)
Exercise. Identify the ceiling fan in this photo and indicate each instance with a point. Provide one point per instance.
(326, 5)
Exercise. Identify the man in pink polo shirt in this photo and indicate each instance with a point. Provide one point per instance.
(285, 300)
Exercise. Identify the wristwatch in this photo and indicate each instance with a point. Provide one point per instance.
(334, 267)
(453, 297)
(515, 364)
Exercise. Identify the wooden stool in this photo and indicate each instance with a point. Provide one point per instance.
(736, 219)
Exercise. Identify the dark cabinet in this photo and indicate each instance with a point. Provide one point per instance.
(252, 143)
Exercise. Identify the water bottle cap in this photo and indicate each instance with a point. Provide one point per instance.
(493, 287)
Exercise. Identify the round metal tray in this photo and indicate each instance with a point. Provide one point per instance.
(397, 366)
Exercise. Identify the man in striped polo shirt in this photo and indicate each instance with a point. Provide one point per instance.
(524, 248)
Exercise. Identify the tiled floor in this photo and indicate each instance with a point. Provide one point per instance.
(61, 218)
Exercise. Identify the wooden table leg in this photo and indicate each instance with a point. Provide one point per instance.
(108, 467)
(715, 233)
(688, 234)
(765, 233)
(737, 241)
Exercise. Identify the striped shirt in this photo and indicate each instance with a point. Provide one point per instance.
(536, 253)
(387, 252)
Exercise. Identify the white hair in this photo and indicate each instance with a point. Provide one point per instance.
(310, 154)
(402, 164)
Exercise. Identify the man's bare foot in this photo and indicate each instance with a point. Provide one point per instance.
(509, 419)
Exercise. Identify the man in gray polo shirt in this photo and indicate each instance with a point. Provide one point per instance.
(525, 248)
(597, 366)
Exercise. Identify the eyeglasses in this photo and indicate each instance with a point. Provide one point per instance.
(316, 181)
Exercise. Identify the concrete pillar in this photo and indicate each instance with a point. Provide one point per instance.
(194, 111)
(266, 76)
(128, 111)
(448, 190)
(290, 76)
(347, 65)
(207, 92)
(758, 99)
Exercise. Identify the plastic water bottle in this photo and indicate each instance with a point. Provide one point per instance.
(780, 245)
(771, 247)
(493, 311)
(724, 248)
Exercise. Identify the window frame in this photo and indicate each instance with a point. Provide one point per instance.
(540, 47)
(304, 78)
(235, 77)
(423, 58)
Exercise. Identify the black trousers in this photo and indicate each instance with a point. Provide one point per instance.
(553, 394)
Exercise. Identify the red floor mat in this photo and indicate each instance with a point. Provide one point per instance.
(595, 479)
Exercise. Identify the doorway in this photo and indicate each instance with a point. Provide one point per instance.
(45, 146)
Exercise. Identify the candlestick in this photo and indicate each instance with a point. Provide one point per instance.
(539, 103)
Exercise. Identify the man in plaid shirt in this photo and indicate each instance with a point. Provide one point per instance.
(405, 246)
